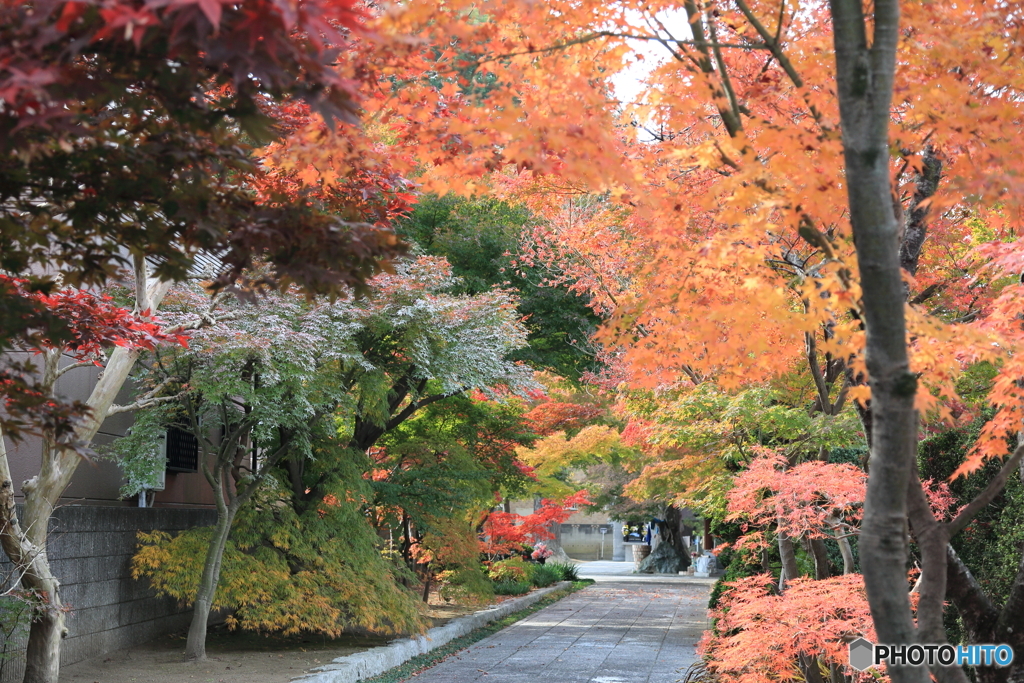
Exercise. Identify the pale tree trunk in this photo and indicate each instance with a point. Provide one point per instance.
(25, 540)
(864, 74)
(847, 552)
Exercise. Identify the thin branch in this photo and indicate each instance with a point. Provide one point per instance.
(143, 403)
(734, 104)
(74, 366)
(811, 348)
(995, 486)
(775, 46)
(146, 399)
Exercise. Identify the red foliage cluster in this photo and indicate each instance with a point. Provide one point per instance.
(95, 323)
(506, 532)
(555, 416)
(806, 499)
(78, 323)
(236, 42)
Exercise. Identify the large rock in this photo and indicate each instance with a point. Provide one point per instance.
(558, 554)
(663, 560)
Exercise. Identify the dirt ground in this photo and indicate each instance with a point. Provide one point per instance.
(232, 657)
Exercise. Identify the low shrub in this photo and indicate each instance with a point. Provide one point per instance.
(510, 570)
(465, 585)
(511, 587)
(566, 570)
(542, 575)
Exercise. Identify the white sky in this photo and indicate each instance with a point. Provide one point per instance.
(628, 84)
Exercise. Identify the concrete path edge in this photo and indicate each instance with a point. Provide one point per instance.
(376, 661)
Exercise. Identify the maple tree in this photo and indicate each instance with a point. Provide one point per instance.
(273, 374)
(505, 533)
(129, 133)
(810, 500)
(797, 635)
(484, 240)
(128, 129)
(435, 477)
(757, 229)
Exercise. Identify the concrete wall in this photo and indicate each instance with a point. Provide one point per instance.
(90, 551)
(580, 536)
(582, 541)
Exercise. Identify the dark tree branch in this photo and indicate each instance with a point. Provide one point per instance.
(994, 488)
(916, 228)
(978, 613)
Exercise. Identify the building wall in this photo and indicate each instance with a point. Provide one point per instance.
(99, 481)
(90, 550)
(585, 541)
(580, 536)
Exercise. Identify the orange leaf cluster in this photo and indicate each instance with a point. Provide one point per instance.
(761, 636)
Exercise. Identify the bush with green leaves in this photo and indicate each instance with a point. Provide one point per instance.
(15, 614)
(514, 569)
(567, 571)
(542, 576)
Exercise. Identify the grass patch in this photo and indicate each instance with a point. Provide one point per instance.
(511, 588)
(425, 661)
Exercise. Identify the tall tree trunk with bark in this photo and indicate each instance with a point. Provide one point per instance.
(864, 73)
(220, 466)
(25, 541)
(787, 552)
(195, 645)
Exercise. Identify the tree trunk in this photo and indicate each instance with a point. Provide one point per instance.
(195, 647)
(822, 567)
(864, 74)
(790, 570)
(42, 657)
(26, 545)
(673, 530)
(846, 549)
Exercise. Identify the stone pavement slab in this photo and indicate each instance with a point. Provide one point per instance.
(611, 632)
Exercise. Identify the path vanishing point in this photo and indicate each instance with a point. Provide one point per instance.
(623, 629)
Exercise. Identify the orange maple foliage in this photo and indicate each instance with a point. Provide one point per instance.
(705, 214)
(812, 499)
(760, 635)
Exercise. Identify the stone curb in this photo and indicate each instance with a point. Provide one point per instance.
(375, 661)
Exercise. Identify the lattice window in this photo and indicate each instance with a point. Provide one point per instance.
(182, 450)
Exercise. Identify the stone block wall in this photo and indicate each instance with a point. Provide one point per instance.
(90, 550)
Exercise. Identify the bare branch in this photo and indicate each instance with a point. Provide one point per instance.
(74, 366)
(995, 486)
(144, 403)
(774, 45)
(811, 349)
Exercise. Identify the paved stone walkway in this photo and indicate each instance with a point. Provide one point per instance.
(612, 632)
